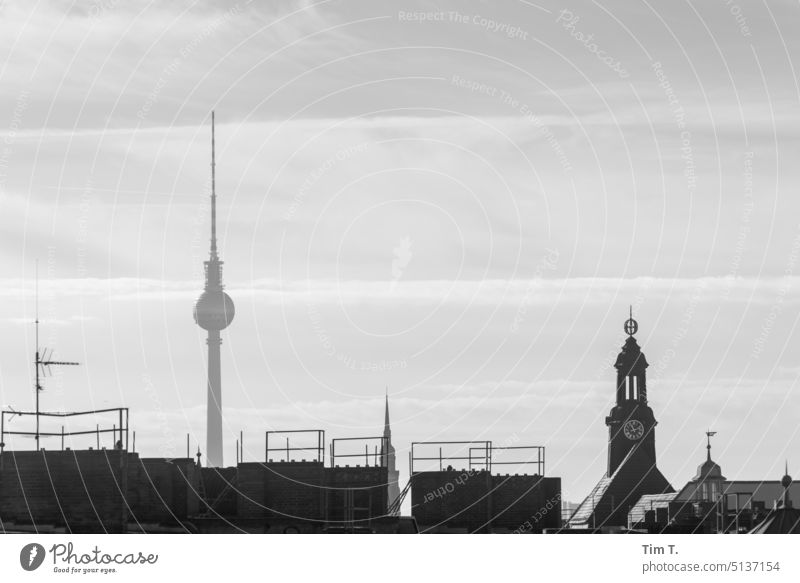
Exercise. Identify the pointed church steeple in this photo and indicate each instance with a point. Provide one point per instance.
(388, 457)
(387, 429)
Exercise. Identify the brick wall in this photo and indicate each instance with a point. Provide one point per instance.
(95, 490)
(369, 486)
(480, 502)
(163, 491)
(80, 490)
(281, 490)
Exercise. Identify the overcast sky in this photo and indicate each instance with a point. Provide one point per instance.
(457, 200)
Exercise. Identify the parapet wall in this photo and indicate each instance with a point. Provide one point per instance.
(83, 491)
(477, 501)
(95, 490)
(303, 495)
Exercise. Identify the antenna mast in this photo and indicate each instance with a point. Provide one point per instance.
(43, 360)
(213, 193)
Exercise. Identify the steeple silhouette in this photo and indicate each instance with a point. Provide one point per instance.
(388, 458)
(387, 430)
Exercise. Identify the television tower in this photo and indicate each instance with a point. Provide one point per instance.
(213, 312)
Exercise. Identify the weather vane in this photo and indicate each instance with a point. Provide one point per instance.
(709, 435)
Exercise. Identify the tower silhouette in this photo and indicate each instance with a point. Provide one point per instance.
(388, 458)
(632, 471)
(213, 312)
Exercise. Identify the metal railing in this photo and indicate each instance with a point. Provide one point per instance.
(119, 438)
(479, 455)
(319, 449)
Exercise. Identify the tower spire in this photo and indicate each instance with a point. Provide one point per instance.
(388, 458)
(709, 435)
(213, 193)
(387, 430)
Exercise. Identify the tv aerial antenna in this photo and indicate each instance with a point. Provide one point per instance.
(43, 361)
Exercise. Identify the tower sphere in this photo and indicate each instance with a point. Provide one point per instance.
(214, 310)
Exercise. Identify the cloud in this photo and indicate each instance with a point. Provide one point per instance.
(540, 291)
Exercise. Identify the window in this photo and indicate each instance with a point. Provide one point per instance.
(631, 388)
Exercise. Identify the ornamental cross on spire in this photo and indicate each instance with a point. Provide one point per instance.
(631, 325)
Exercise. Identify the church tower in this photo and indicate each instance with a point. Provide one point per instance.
(631, 423)
(632, 471)
(388, 458)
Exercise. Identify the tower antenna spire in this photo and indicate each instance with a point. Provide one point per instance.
(213, 191)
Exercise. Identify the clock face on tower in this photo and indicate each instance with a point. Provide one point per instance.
(633, 429)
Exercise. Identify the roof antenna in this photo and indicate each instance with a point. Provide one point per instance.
(43, 361)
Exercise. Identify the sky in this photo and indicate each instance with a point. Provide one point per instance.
(457, 202)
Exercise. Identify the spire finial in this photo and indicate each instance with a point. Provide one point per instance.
(387, 430)
(709, 435)
(631, 325)
(213, 191)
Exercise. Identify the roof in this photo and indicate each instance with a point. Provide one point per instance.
(606, 503)
(649, 502)
(709, 469)
(780, 521)
(586, 508)
(766, 491)
(631, 356)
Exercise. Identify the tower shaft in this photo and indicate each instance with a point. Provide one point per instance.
(214, 408)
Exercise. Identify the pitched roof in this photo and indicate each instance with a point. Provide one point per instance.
(649, 502)
(609, 496)
(780, 521)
